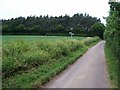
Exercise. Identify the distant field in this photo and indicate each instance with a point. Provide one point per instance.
(37, 38)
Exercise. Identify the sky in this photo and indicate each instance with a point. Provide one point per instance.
(15, 8)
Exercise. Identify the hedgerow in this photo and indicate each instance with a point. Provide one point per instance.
(112, 37)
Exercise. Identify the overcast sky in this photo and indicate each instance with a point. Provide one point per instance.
(15, 8)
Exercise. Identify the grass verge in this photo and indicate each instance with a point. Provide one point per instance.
(112, 66)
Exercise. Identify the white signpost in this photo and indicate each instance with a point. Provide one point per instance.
(71, 34)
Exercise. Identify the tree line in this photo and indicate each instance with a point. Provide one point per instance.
(79, 24)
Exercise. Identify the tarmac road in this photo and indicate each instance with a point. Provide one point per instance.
(89, 71)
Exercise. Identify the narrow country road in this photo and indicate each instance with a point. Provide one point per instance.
(89, 71)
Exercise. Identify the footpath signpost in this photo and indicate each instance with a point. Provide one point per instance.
(71, 34)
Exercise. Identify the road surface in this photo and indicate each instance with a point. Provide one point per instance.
(89, 71)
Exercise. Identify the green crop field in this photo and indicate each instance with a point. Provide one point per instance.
(36, 38)
(30, 61)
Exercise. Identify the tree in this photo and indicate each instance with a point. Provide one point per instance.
(60, 29)
(98, 29)
(21, 27)
(5, 28)
(112, 31)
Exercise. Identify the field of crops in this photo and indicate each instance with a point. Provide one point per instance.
(37, 38)
(30, 61)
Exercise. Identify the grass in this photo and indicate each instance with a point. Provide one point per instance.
(37, 76)
(7, 38)
(112, 65)
(31, 62)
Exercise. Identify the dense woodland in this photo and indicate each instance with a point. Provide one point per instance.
(79, 24)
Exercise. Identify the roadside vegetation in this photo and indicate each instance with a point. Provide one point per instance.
(112, 67)
(112, 48)
(29, 64)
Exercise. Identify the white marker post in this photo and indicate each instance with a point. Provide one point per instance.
(71, 34)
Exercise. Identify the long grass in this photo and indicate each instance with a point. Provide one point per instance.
(30, 64)
(9, 38)
(112, 65)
